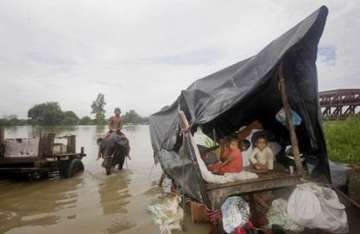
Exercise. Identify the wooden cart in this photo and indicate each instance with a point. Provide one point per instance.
(215, 194)
(38, 157)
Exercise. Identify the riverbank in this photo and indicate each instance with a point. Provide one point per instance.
(342, 139)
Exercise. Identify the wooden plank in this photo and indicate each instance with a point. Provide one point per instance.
(269, 176)
(287, 109)
(68, 155)
(71, 144)
(218, 195)
(18, 160)
(23, 147)
(46, 144)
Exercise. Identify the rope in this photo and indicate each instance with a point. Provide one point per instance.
(214, 216)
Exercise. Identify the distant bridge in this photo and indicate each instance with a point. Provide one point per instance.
(340, 103)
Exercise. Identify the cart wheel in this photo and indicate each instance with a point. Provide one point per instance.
(74, 168)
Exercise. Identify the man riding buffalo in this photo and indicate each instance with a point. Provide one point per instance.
(114, 147)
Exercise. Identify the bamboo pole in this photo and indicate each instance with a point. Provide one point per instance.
(287, 109)
(184, 124)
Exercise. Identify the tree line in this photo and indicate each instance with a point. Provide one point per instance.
(50, 114)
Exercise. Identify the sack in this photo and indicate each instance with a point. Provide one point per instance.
(236, 213)
(313, 206)
(277, 215)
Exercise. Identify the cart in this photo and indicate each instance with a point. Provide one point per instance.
(40, 156)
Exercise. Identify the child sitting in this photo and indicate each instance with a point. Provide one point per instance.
(231, 160)
(244, 145)
(246, 151)
(262, 158)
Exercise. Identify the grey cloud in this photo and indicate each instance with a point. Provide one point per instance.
(327, 55)
(110, 84)
(142, 55)
(196, 57)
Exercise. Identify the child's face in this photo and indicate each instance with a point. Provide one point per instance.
(243, 146)
(261, 143)
(117, 113)
(233, 145)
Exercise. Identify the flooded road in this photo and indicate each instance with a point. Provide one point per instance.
(91, 202)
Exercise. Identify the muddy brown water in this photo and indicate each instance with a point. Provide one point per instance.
(91, 202)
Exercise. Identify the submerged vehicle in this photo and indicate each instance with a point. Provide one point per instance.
(281, 76)
(39, 156)
(113, 148)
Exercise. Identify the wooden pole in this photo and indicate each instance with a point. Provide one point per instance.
(287, 109)
(184, 124)
(71, 144)
(2, 142)
(162, 178)
(46, 144)
(2, 135)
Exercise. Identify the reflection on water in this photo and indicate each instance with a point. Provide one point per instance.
(24, 204)
(91, 202)
(114, 199)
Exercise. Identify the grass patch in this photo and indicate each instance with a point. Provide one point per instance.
(343, 140)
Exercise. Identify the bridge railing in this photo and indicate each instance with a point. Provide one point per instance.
(340, 104)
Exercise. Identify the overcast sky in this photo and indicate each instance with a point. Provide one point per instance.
(142, 53)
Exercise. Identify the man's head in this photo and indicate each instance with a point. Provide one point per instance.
(117, 111)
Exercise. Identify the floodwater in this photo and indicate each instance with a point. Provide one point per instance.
(91, 202)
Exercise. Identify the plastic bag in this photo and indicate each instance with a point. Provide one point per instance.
(236, 212)
(313, 206)
(278, 215)
(281, 117)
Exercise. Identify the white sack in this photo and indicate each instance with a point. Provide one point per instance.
(313, 206)
(277, 214)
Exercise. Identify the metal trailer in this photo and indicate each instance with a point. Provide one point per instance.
(45, 157)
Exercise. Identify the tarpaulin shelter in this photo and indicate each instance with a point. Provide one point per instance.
(223, 102)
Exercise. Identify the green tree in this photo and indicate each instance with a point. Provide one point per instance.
(12, 120)
(132, 117)
(48, 113)
(86, 120)
(98, 108)
(70, 118)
